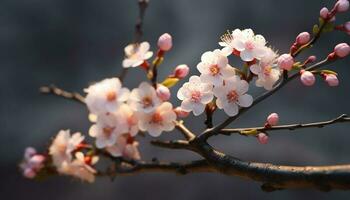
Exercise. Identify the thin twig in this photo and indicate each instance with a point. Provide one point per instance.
(143, 4)
(53, 90)
(320, 124)
(184, 130)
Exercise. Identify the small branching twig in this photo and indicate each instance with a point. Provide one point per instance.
(244, 131)
(53, 90)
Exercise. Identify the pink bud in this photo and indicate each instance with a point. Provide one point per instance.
(324, 13)
(29, 152)
(29, 173)
(311, 59)
(332, 80)
(307, 78)
(285, 61)
(180, 112)
(272, 119)
(342, 5)
(262, 138)
(37, 161)
(163, 92)
(165, 42)
(342, 50)
(303, 38)
(181, 71)
(347, 27)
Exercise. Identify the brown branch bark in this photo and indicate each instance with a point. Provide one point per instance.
(276, 177)
(243, 131)
(53, 90)
(164, 167)
(184, 130)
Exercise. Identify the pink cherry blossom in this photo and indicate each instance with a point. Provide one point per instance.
(249, 45)
(32, 163)
(303, 38)
(263, 138)
(285, 61)
(307, 78)
(180, 112)
(163, 92)
(214, 67)
(181, 71)
(63, 145)
(233, 95)
(165, 42)
(136, 54)
(267, 70)
(126, 147)
(332, 80)
(342, 50)
(342, 5)
(107, 128)
(195, 95)
(272, 119)
(144, 98)
(106, 96)
(159, 120)
(324, 13)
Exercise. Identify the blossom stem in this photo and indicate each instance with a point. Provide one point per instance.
(143, 4)
(320, 124)
(53, 90)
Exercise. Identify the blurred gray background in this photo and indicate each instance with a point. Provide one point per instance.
(72, 43)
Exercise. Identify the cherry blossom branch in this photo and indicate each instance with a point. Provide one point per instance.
(167, 167)
(184, 130)
(320, 124)
(143, 4)
(53, 90)
(214, 131)
(173, 144)
(276, 177)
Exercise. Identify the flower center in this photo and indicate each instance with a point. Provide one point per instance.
(107, 131)
(156, 118)
(232, 96)
(267, 71)
(196, 96)
(214, 69)
(249, 45)
(111, 96)
(147, 102)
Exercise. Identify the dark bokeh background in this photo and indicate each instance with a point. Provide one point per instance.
(73, 42)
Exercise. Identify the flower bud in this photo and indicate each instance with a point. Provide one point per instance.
(37, 161)
(263, 138)
(165, 42)
(163, 92)
(347, 27)
(332, 80)
(285, 61)
(180, 112)
(29, 152)
(342, 5)
(342, 50)
(29, 173)
(307, 78)
(272, 119)
(181, 71)
(303, 38)
(324, 13)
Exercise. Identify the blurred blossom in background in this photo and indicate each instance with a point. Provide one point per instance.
(74, 43)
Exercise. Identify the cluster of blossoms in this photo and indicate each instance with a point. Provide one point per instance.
(118, 114)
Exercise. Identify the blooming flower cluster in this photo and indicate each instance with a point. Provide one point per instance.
(119, 114)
